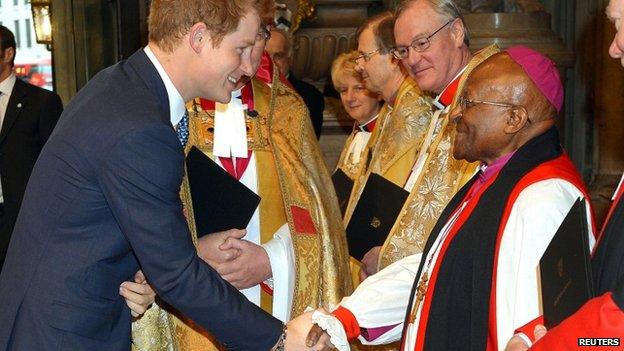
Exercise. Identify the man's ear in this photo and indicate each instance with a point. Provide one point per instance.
(517, 119)
(458, 32)
(8, 55)
(198, 36)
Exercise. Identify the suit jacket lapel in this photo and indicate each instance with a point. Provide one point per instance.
(14, 108)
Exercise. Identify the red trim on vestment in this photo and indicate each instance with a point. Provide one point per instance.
(370, 126)
(241, 165)
(266, 288)
(207, 105)
(265, 70)
(448, 94)
(559, 168)
(302, 220)
(348, 321)
(529, 328)
(461, 219)
(600, 317)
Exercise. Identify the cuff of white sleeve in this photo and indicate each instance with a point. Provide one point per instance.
(525, 338)
(334, 328)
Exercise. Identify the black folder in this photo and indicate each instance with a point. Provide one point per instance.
(220, 202)
(565, 268)
(374, 215)
(343, 185)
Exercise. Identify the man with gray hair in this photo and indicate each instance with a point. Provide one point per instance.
(435, 54)
(279, 47)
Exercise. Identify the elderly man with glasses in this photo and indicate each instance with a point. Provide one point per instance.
(476, 281)
(394, 145)
(432, 44)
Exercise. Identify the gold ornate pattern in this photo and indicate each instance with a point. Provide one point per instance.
(440, 179)
(406, 127)
(396, 140)
(305, 10)
(322, 259)
(351, 169)
(153, 331)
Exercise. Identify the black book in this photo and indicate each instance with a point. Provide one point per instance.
(343, 185)
(374, 215)
(565, 268)
(220, 202)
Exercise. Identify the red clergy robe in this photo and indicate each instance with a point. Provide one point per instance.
(603, 316)
(461, 294)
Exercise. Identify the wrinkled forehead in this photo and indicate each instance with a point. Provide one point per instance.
(499, 74)
(417, 21)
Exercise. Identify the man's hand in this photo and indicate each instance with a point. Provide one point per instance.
(208, 246)
(517, 344)
(249, 268)
(139, 295)
(298, 335)
(317, 335)
(369, 262)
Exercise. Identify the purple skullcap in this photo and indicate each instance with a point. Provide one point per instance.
(542, 72)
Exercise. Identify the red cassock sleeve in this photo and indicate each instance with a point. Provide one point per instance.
(598, 318)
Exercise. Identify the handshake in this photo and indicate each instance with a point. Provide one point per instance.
(305, 333)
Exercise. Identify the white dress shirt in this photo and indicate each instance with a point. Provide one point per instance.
(6, 88)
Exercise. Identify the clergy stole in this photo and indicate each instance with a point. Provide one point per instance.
(460, 298)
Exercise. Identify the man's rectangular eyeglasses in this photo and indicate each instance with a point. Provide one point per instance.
(419, 44)
(366, 56)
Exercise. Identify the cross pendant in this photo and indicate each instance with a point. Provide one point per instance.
(421, 289)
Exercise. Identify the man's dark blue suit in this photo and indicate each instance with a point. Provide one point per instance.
(102, 202)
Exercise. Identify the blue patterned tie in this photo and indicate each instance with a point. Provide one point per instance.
(182, 129)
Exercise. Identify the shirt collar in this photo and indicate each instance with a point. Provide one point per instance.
(447, 94)
(368, 126)
(6, 86)
(618, 189)
(490, 170)
(176, 102)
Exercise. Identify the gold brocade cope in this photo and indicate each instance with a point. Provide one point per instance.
(396, 140)
(311, 204)
(295, 188)
(440, 178)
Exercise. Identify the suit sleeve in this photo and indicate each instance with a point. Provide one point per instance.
(50, 114)
(141, 179)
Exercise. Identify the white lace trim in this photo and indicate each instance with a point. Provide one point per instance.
(334, 328)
